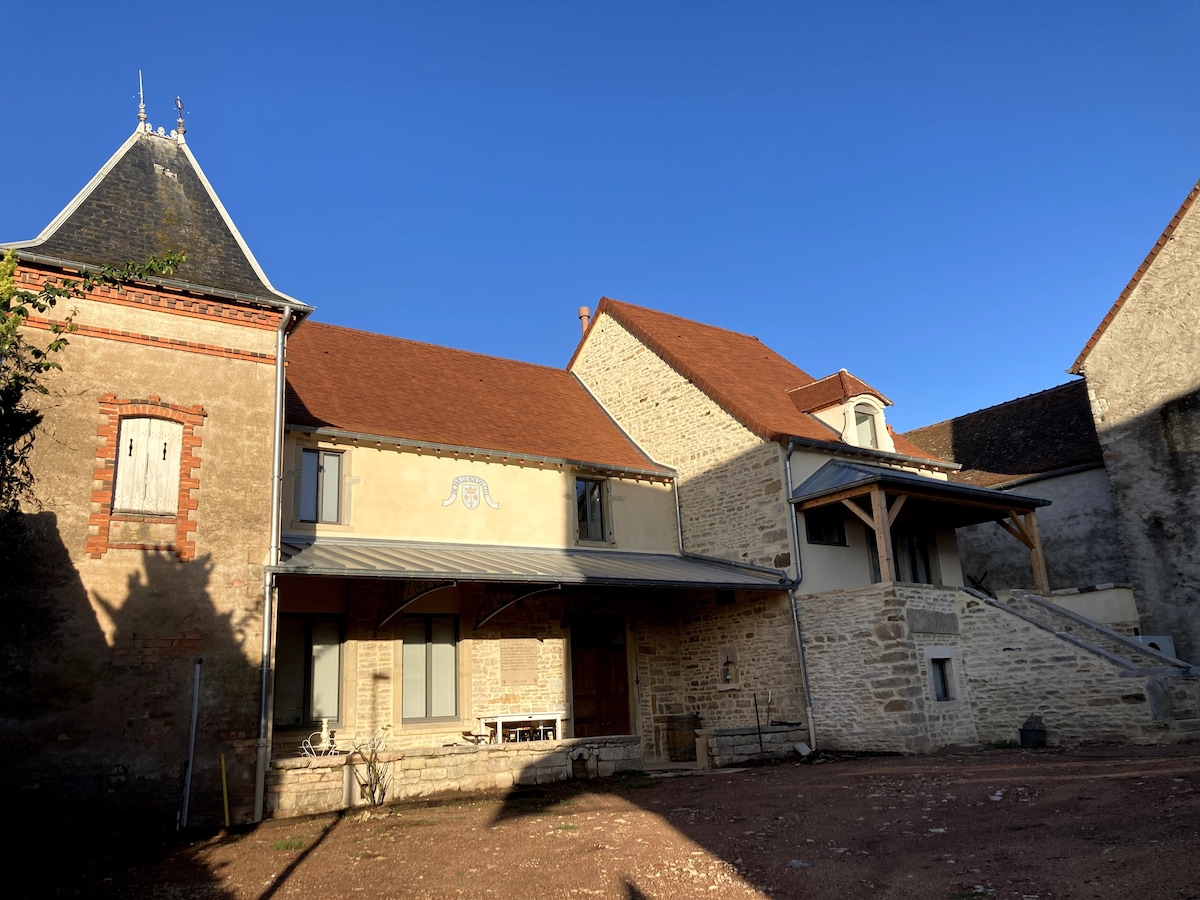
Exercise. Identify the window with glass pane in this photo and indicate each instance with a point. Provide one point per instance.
(430, 667)
(320, 486)
(308, 670)
(589, 505)
(864, 423)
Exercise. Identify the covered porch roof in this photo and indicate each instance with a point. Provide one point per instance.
(516, 572)
(876, 495)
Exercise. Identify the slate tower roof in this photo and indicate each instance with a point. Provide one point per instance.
(152, 198)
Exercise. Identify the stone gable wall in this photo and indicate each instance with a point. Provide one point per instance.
(1143, 379)
(731, 492)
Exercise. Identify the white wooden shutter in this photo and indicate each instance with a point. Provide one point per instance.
(147, 466)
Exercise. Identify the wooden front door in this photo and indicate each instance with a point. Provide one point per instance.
(599, 676)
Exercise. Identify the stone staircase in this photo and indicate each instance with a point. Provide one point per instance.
(1172, 684)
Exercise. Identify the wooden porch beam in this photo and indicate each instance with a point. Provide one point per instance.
(895, 511)
(858, 511)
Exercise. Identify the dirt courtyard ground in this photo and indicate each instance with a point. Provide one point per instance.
(1005, 824)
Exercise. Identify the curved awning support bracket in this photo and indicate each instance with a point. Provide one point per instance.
(495, 602)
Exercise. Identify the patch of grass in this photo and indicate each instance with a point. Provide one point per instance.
(565, 827)
(291, 843)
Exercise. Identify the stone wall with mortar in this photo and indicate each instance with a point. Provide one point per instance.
(721, 747)
(732, 498)
(868, 655)
(305, 785)
(714, 654)
(99, 648)
(1143, 377)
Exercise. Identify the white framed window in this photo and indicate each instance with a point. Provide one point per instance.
(589, 508)
(146, 480)
(308, 670)
(865, 426)
(429, 666)
(321, 486)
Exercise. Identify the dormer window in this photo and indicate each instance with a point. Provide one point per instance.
(865, 427)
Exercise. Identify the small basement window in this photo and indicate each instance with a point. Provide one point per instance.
(940, 666)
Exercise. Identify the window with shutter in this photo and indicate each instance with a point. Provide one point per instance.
(147, 466)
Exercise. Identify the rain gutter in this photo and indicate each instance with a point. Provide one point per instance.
(266, 682)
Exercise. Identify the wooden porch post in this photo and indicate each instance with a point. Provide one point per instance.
(1023, 526)
(1036, 556)
(883, 534)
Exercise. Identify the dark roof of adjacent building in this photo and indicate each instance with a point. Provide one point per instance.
(746, 378)
(371, 384)
(1045, 432)
(1163, 239)
(149, 199)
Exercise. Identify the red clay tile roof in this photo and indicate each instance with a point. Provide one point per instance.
(1077, 366)
(749, 380)
(832, 390)
(1032, 435)
(379, 385)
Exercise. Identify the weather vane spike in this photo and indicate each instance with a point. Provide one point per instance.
(141, 102)
(181, 130)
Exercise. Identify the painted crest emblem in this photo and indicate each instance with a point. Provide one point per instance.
(470, 495)
(473, 489)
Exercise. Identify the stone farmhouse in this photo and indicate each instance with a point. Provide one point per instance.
(898, 654)
(680, 549)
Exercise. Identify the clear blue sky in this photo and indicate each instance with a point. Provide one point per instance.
(943, 198)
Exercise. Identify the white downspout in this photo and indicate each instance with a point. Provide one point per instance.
(266, 685)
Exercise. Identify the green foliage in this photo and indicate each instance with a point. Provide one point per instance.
(24, 362)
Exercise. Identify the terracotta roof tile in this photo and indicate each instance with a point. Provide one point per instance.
(1077, 366)
(830, 391)
(375, 384)
(749, 380)
(1032, 435)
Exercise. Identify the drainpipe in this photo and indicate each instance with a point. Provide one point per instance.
(266, 685)
(794, 531)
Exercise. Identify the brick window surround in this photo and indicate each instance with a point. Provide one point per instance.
(179, 538)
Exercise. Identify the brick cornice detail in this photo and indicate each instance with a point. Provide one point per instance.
(149, 340)
(112, 410)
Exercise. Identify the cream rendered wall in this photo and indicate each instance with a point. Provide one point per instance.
(391, 494)
(829, 568)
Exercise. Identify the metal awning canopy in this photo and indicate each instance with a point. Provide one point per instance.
(877, 494)
(510, 573)
(363, 558)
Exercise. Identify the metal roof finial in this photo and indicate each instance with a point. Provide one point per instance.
(141, 104)
(182, 129)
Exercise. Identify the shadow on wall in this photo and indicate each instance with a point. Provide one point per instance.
(1153, 463)
(102, 687)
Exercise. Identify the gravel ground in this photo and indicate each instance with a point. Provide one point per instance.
(1005, 824)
